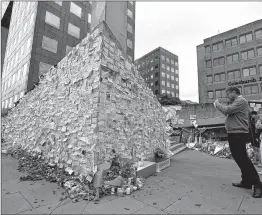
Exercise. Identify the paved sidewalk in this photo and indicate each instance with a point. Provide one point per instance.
(195, 183)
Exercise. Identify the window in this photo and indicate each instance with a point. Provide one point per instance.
(130, 13)
(176, 87)
(167, 76)
(167, 59)
(156, 83)
(73, 30)
(172, 61)
(220, 94)
(249, 71)
(58, 2)
(129, 28)
(156, 74)
(152, 68)
(177, 95)
(163, 66)
(89, 18)
(233, 74)
(251, 89)
(168, 68)
(176, 71)
(163, 74)
(177, 79)
(163, 91)
(172, 70)
(75, 9)
(231, 42)
(232, 58)
(49, 44)
(152, 76)
(248, 54)
(156, 92)
(219, 61)
(176, 63)
(260, 69)
(25, 68)
(168, 84)
(156, 66)
(129, 43)
(52, 20)
(246, 38)
(43, 68)
(258, 34)
(220, 77)
(163, 57)
(172, 77)
(207, 49)
(259, 51)
(210, 95)
(209, 79)
(208, 64)
(218, 46)
(163, 83)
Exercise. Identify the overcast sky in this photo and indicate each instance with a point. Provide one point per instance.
(180, 26)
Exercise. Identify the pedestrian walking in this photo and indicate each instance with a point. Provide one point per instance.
(237, 125)
(254, 137)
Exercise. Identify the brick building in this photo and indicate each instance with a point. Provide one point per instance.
(232, 58)
(159, 68)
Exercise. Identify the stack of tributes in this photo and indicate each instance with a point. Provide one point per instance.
(92, 102)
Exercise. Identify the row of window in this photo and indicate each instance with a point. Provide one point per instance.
(18, 56)
(148, 61)
(245, 55)
(21, 11)
(244, 38)
(167, 76)
(248, 90)
(8, 103)
(20, 35)
(169, 61)
(164, 91)
(15, 77)
(54, 20)
(236, 74)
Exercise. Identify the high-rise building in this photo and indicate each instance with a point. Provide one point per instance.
(120, 18)
(42, 33)
(232, 58)
(5, 23)
(159, 68)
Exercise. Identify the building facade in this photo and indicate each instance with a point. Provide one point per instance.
(159, 68)
(120, 17)
(7, 8)
(232, 58)
(40, 35)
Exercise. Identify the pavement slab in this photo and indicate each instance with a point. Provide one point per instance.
(150, 210)
(194, 183)
(14, 203)
(123, 205)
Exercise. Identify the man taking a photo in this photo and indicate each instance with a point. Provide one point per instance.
(237, 126)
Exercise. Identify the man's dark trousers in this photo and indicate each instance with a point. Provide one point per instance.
(237, 144)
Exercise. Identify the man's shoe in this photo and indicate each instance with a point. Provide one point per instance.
(257, 191)
(241, 185)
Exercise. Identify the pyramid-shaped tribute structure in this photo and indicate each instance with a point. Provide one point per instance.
(92, 102)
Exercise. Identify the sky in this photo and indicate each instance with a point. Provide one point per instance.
(180, 26)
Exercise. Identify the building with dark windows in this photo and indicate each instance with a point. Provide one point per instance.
(42, 33)
(232, 58)
(160, 70)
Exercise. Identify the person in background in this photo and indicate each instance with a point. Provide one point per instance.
(259, 128)
(237, 126)
(254, 136)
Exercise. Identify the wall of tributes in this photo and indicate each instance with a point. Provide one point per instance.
(92, 102)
